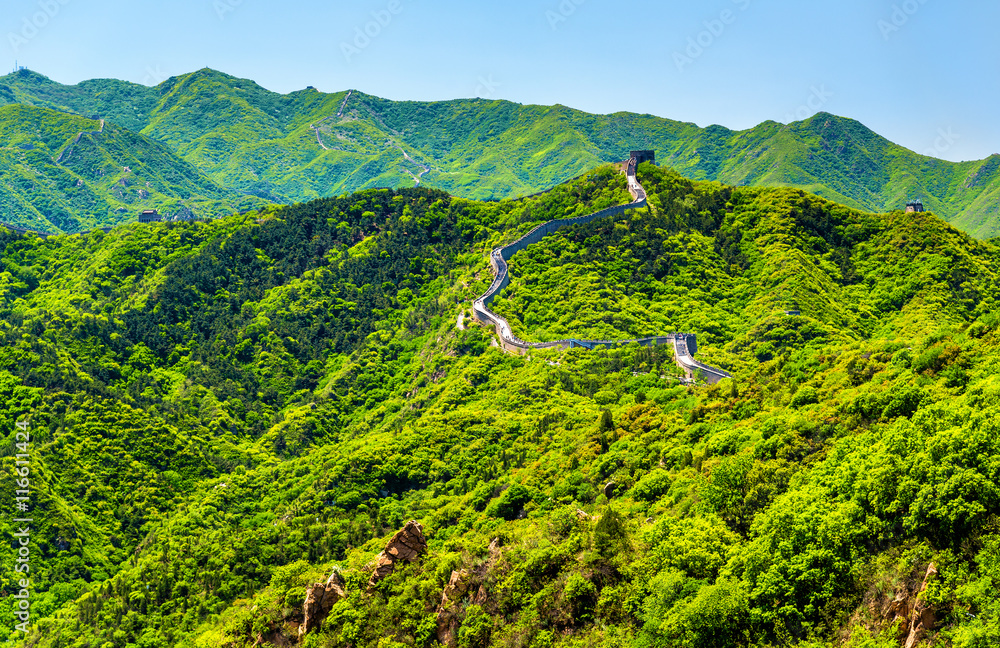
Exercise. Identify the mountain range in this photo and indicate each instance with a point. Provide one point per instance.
(206, 143)
(283, 428)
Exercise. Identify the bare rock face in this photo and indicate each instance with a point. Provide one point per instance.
(609, 489)
(898, 611)
(907, 613)
(406, 545)
(494, 550)
(464, 585)
(272, 639)
(320, 599)
(447, 615)
(458, 586)
(923, 618)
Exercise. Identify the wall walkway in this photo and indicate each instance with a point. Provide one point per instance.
(685, 345)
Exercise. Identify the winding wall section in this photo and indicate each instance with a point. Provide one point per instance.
(69, 149)
(685, 345)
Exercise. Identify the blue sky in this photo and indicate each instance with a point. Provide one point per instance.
(921, 72)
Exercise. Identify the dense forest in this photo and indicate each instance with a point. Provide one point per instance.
(63, 173)
(224, 413)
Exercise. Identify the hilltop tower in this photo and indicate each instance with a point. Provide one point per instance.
(149, 216)
(914, 206)
(644, 156)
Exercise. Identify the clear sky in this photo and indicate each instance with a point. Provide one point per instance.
(921, 72)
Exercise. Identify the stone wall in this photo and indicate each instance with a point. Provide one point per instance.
(500, 256)
(685, 345)
(643, 156)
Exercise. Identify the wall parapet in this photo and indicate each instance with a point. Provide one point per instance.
(511, 343)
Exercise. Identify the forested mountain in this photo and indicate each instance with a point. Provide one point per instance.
(309, 144)
(224, 413)
(62, 173)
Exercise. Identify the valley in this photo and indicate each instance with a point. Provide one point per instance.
(226, 413)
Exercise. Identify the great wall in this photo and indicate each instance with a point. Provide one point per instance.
(69, 149)
(685, 344)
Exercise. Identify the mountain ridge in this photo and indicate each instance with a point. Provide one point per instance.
(61, 173)
(294, 147)
(226, 413)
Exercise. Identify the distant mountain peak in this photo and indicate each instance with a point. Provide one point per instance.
(309, 144)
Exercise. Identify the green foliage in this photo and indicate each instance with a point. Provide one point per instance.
(224, 413)
(68, 174)
(476, 628)
(653, 485)
(299, 147)
(610, 534)
(510, 504)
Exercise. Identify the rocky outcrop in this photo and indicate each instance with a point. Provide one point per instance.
(908, 613)
(923, 618)
(272, 639)
(448, 613)
(406, 545)
(464, 584)
(320, 599)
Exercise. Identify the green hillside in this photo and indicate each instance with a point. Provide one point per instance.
(298, 146)
(61, 173)
(224, 413)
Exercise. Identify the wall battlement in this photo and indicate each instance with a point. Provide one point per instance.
(685, 345)
(643, 156)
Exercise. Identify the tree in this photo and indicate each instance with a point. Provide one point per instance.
(476, 628)
(610, 534)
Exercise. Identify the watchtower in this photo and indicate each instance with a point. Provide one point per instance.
(643, 156)
(149, 216)
(914, 206)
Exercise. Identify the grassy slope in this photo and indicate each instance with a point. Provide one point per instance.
(255, 141)
(53, 181)
(313, 414)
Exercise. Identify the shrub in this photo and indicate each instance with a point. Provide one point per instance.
(805, 396)
(581, 594)
(610, 535)
(653, 485)
(476, 628)
(511, 503)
